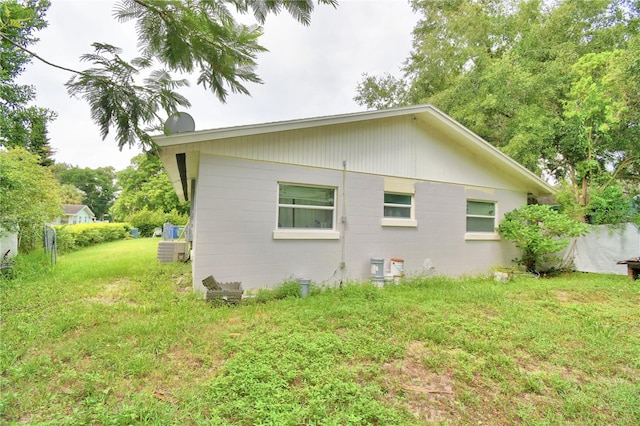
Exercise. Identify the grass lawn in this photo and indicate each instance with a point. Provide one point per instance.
(109, 336)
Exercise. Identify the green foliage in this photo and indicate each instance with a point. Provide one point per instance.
(598, 117)
(555, 85)
(29, 195)
(202, 37)
(97, 186)
(117, 100)
(74, 237)
(21, 124)
(71, 194)
(567, 202)
(145, 185)
(147, 220)
(282, 291)
(381, 92)
(609, 206)
(34, 265)
(538, 231)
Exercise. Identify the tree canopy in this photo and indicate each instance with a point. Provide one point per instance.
(145, 185)
(554, 84)
(29, 194)
(98, 186)
(21, 124)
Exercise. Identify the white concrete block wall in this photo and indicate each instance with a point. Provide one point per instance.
(236, 203)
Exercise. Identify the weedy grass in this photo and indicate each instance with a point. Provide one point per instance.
(109, 336)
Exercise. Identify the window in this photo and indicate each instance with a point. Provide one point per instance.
(398, 210)
(306, 208)
(397, 205)
(481, 216)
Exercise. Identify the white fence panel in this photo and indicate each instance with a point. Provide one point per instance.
(603, 246)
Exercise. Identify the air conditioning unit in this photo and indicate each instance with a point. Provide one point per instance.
(172, 251)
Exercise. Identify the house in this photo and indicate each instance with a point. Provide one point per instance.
(320, 198)
(74, 214)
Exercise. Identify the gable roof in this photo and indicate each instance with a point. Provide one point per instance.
(74, 209)
(184, 166)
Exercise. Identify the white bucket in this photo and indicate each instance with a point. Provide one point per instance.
(397, 268)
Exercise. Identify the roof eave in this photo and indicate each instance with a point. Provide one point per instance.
(279, 126)
(536, 185)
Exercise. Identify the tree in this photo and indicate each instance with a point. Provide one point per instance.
(70, 194)
(601, 123)
(381, 92)
(145, 186)
(184, 37)
(98, 186)
(533, 78)
(21, 124)
(538, 232)
(29, 195)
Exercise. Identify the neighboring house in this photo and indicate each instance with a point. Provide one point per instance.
(74, 214)
(319, 198)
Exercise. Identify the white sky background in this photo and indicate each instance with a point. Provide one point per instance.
(307, 72)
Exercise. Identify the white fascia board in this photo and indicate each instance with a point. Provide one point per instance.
(280, 126)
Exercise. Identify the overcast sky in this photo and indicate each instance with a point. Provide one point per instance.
(307, 72)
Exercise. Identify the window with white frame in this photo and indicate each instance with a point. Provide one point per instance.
(398, 206)
(481, 216)
(306, 207)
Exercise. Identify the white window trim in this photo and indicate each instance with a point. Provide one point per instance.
(481, 236)
(408, 222)
(487, 236)
(307, 233)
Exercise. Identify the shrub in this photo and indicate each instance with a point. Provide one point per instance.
(612, 204)
(609, 206)
(284, 290)
(538, 232)
(73, 237)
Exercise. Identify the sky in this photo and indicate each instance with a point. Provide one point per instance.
(307, 72)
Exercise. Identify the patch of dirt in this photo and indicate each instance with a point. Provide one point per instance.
(185, 359)
(189, 366)
(428, 395)
(111, 293)
(580, 297)
(563, 296)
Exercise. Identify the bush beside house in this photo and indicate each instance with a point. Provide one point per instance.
(538, 232)
(73, 237)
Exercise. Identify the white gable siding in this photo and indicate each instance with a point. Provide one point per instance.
(236, 204)
(398, 146)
